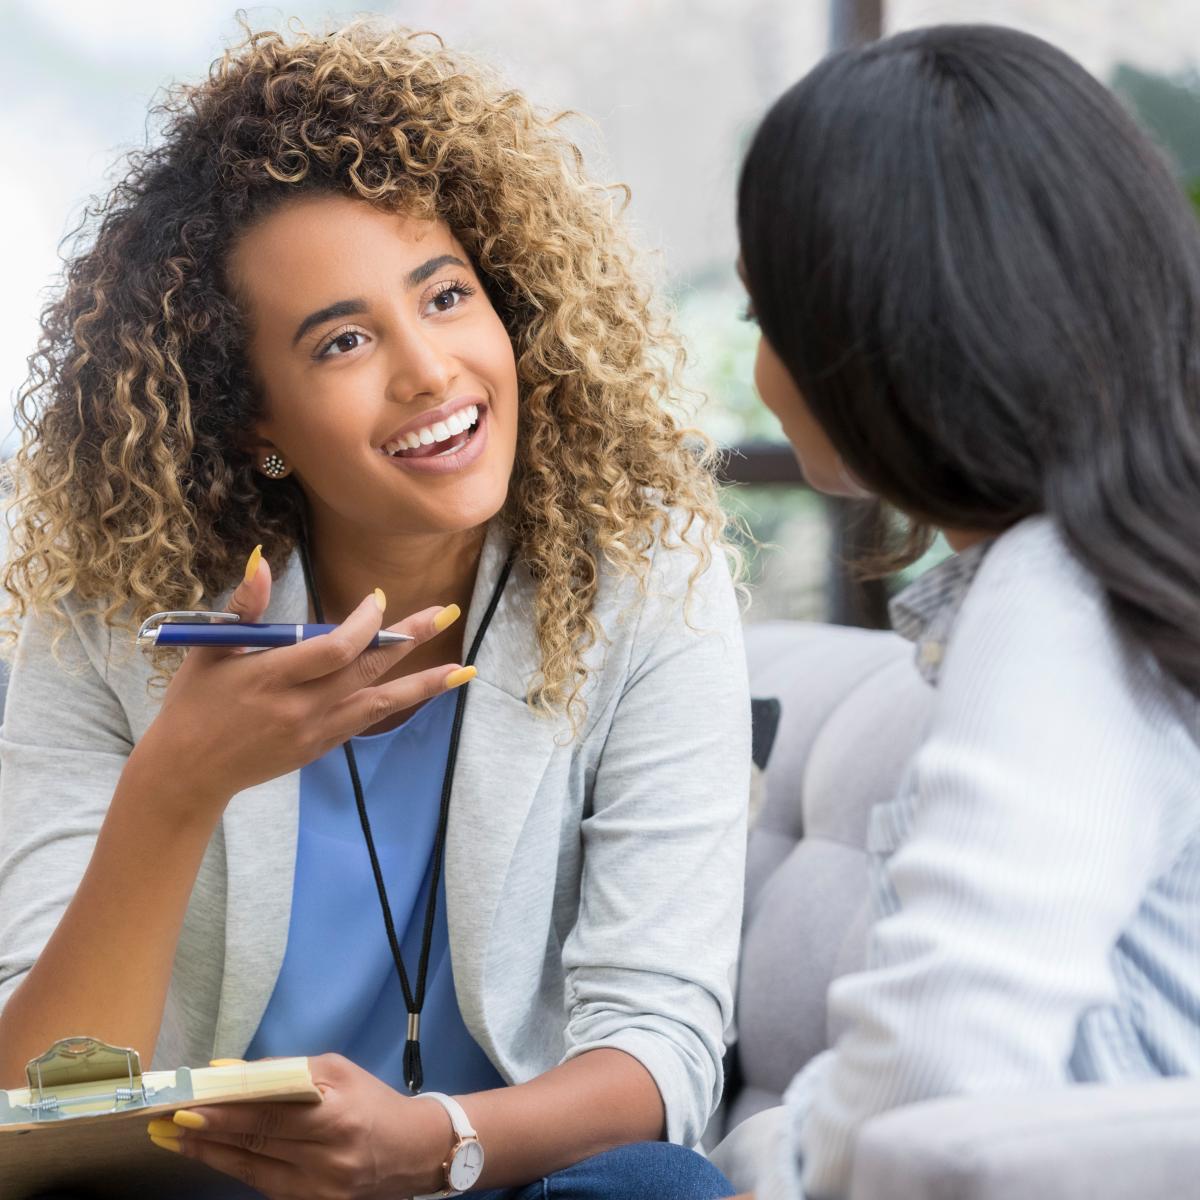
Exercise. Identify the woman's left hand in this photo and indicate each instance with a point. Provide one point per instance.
(363, 1140)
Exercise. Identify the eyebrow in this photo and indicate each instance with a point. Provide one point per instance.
(349, 308)
(343, 308)
(424, 271)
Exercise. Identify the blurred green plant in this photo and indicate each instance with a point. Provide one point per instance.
(1168, 108)
(721, 348)
(767, 509)
(1193, 191)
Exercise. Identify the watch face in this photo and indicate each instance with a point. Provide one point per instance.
(466, 1166)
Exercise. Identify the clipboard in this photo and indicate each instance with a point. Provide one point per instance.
(80, 1123)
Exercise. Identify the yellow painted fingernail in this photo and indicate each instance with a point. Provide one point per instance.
(171, 1144)
(164, 1129)
(252, 563)
(226, 1062)
(447, 617)
(459, 677)
(380, 599)
(189, 1120)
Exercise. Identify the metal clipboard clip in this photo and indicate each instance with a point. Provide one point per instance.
(83, 1076)
(145, 634)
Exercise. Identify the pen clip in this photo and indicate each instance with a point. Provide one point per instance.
(150, 625)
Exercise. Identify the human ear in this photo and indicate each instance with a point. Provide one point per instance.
(269, 460)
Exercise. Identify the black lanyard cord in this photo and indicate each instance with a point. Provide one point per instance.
(413, 1073)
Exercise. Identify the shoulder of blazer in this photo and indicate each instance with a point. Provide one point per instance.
(635, 611)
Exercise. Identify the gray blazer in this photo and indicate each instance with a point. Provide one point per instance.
(593, 886)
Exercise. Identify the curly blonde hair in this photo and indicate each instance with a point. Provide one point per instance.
(134, 491)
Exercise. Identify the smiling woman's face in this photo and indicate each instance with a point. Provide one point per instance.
(371, 332)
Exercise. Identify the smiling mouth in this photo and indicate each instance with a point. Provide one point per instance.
(438, 440)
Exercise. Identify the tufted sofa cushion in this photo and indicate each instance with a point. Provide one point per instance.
(853, 710)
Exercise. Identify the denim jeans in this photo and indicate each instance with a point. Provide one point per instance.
(642, 1171)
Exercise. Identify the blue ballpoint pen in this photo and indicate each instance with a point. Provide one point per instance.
(228, 629)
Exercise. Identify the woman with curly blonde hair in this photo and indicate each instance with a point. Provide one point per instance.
(360, 316)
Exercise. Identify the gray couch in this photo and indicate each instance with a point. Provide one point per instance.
(853, 711)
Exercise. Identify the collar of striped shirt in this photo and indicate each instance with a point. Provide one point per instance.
(924, 612)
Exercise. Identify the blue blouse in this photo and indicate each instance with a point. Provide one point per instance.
(338, 989)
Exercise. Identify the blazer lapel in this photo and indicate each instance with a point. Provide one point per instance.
(260, 828)
(504, 749)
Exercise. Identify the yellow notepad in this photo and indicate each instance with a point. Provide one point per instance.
(81, 1121)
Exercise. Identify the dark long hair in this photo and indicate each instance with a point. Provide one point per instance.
(986, 284)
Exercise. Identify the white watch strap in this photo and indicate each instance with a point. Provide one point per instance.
(458, 1114)
(462, 1129)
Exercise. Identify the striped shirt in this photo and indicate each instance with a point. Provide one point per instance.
(1036, 880)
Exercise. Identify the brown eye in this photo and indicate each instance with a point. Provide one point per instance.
(344, 342)
(449, 296)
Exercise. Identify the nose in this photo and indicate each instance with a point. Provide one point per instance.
(422, 367)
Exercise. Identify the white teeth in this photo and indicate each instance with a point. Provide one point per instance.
(439, 431)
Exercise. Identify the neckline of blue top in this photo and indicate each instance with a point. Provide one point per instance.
(408, 723)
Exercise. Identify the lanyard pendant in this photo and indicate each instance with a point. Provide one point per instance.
(413, 1074)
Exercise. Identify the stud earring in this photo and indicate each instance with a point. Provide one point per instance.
(273, 466)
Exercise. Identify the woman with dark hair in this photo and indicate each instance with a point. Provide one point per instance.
(359, 309)
(979, 293)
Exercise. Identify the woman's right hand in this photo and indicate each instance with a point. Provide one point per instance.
(231, 719)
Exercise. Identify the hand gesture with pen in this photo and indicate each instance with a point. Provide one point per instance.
(253, 717)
